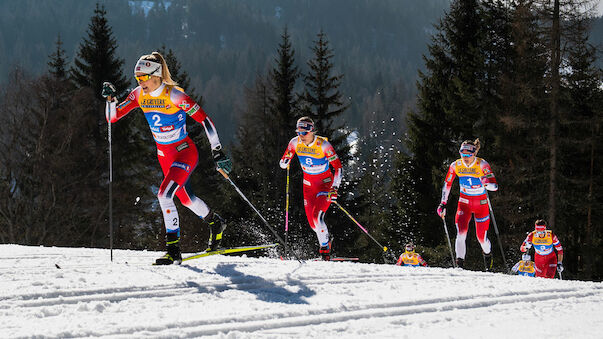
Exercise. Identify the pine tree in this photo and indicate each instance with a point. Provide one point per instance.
(96, 60)
(57, 61)
(321, 99)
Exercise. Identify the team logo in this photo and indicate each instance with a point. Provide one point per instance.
(167, 128)
(182, 165)
(132, 96)
(184, 105)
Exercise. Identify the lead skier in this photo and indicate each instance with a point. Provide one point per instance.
(316, 157)
(475, 177)
(545, 244)
(165, 106)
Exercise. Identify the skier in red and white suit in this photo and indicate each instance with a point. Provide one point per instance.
(165, 107)
(545, 245)
(316, 155)
(475, 177)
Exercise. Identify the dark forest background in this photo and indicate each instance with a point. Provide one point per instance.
(395, 85)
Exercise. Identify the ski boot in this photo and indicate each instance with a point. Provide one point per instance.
(173, 255)
(460, 262)
(216, 227)
(488, 262)
(325, 252)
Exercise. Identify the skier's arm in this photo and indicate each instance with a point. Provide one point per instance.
(558, 248)
(400, 261)
(335, 162)
(288, 155)
(192, 109)
(422, 261)
(114, 112)
(450, 176)
(527, 243)
(516, 267)
(488, 180)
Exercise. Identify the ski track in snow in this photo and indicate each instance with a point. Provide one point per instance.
(239, 297)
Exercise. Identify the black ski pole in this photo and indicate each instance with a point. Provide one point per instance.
(449, 244)
(256, 211)
(110, 190)
(502, 252)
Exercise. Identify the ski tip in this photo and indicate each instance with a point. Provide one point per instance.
(57, 266)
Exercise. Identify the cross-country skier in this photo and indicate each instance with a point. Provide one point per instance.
(410, 258)
(545, 244)
(525, 266)
(165, 106)
(475, 177)
(316, 157)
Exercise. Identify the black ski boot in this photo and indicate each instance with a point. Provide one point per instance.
(216, 227)
(460, 262)
(488, 262)
(173, 255)
(325, 252)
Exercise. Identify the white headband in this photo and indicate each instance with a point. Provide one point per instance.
(148, 67)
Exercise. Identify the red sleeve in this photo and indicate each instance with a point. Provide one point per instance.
(127, 105)
(557, 245)
(450, 176)
(399, 262)
(422, 261)
(527, 243)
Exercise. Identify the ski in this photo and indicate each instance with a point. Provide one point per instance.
(338, 259)
(229, 250)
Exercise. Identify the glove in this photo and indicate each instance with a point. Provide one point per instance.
(284, 163)
(442, 209)
(221, 160)
(332, 196)
(559, 267)
(108, 90)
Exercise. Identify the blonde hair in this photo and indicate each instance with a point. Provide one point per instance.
(475, 143)
(166, 77)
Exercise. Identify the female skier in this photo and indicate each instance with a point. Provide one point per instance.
(475, 177)
(315, 154)
(165, 107)
(545, 244)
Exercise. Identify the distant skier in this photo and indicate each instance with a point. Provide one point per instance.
(525, 266)
(475, 177)
(165, 107)
(410, 258)
(545, 244)
(316, 157)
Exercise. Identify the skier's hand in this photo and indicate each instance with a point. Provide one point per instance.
(284, 163)
(442, 209)
(108, 91)
(559, 267)
(332, 196)
(222, 161)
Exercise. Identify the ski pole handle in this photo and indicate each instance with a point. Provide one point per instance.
(224, 174)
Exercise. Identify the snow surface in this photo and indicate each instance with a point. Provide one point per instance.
(241, 297)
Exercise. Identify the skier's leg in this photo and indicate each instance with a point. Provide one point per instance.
(551, 266)
(541, 264)
(461, 220)
(482, 223)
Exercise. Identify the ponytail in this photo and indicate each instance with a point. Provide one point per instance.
(166, 77)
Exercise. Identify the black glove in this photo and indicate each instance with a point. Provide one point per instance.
(222, 161)
(108, 90)
(559, 267)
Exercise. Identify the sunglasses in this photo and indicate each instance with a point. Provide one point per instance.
(142, 78)
(466, 155)
(302, 133)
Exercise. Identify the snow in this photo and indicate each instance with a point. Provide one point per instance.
(79, 292)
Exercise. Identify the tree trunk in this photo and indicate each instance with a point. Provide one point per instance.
(554, 106)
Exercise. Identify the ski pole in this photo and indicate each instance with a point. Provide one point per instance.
(357, 223)
(496, 230)
(287, 215)
(225, 175)
(110, 190)
(449, 244)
